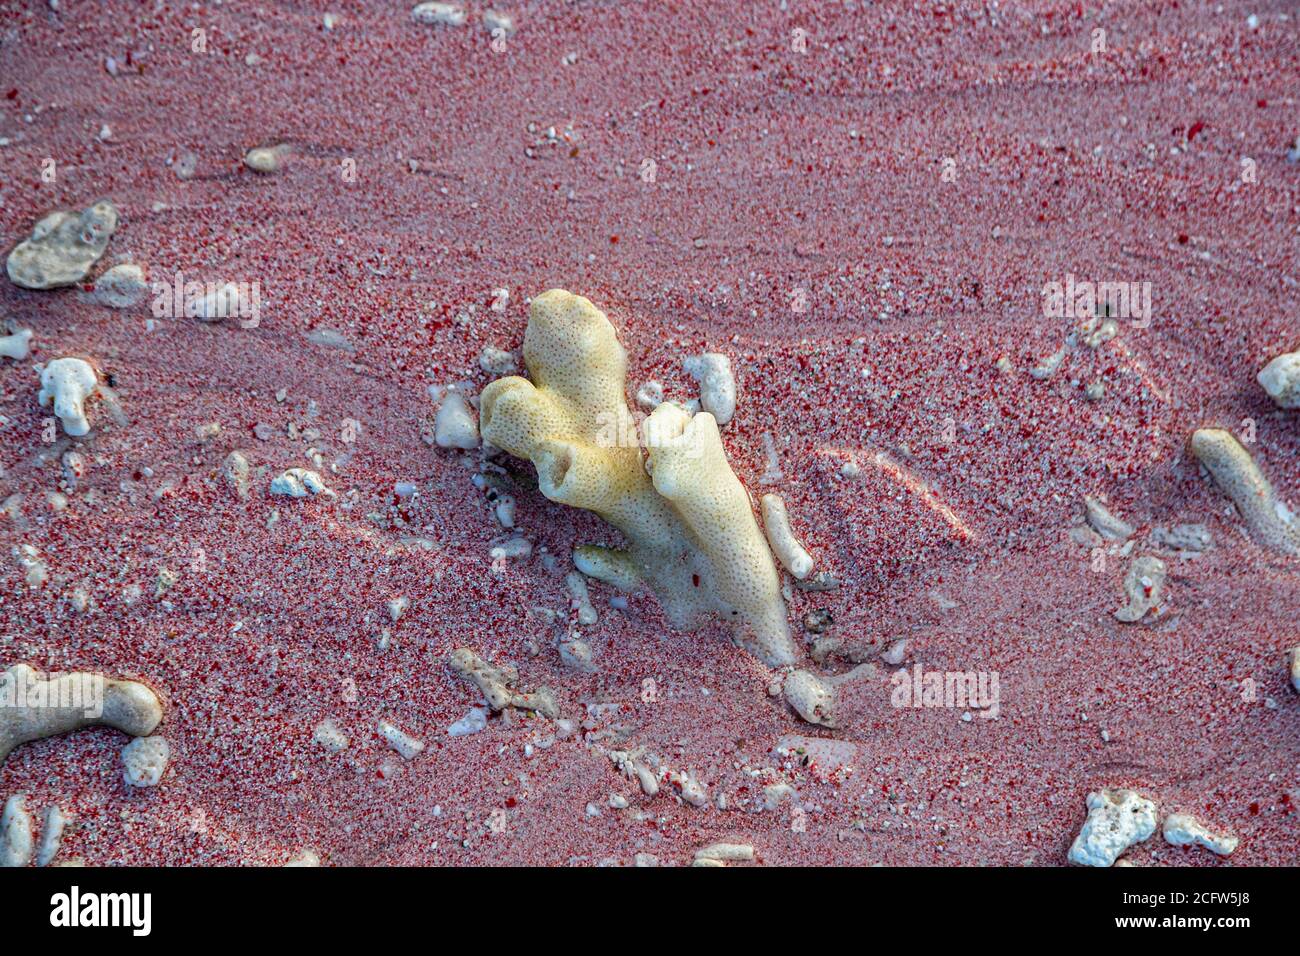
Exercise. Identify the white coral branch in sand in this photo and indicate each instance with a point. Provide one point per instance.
(68, 383)
(497, 684)
(691, 532)
(1270, 521)
(787, 548)
(1181, 829)
(32, 707)
(712, 372)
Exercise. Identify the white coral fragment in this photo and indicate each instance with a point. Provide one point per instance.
(299, 483)
(62, 247)
(812, 698)
(1235, 472)
(1117, 819)
(1295, 668)
(1281, 379)
(266, 159)
(52, 824)
(1104, 522)
(32, 707)
(406, 745)
(691, 531)
(712, 372)
(16, 346)
(1144, 586)
(15, 833)
(145, 760)
(726, 852)
(433, 13)
(68, 383)
(497, 684)
(787, 548)
(1182, 829)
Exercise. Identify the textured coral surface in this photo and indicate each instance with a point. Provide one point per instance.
(797, 218)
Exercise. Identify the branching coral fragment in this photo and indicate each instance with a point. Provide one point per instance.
(690, 527)
(497, 684)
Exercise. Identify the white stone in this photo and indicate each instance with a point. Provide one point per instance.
(454, 425)
(1281, 379)
(1117, 819)
(121, 286)
(474, 721)
(811, 697)
(62, 247)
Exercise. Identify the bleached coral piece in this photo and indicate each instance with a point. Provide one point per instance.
(299, 483)
(776, 521)
(16, 346)
(62, 247)
(1117, 819)
(121, 286)
(494, 20)
(1235, 472)
(328, 735)
(32, 707)
(304, 858)
(497, 684)
(1144, 586)
(1182, 829)
(399, 740)
(454, 425)
(1295, 668)
(52, 824)
(448, 13)
(144, 760)
(15, 833)
(580, 598)
(633, 769)
(1104, 522)
(69, 382)
(712, 372)
(726, 852)
(691, 531)
(221, 302)
(474, 721)
(812, 698)
(266, 159)
(1281, 379)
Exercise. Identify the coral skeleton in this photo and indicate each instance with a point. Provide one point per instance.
(62, 247)
(1235, 472)
(68, 382)
(689, 524)
(32, 707)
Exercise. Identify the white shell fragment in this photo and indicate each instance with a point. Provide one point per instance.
(68, 382)
(454, 425)
(62, 247)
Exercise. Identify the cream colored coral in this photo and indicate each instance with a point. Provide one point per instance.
(68, 382)
(1236, 473)
(788, 549)
(32, 707)
(689, 524)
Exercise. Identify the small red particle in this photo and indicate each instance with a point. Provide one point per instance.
(1262, 104)
(613, 240)
(1182, 238)
(510, 802)
(12, 94)
(1194, 129)
(695, 579)
(1254, 809)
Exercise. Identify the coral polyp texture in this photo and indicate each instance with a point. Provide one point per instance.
(688, 522)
